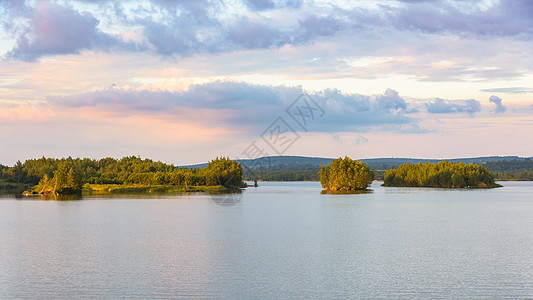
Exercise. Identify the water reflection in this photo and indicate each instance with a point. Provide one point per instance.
(226, 198)
(52, 197)
(283, 241)
(369, 191)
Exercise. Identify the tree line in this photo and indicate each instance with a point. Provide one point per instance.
(501, 170)
(511, 169)
(443, 174)
(288, 172)
(67, 175)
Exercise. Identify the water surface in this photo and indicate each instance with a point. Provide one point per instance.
(281, 240)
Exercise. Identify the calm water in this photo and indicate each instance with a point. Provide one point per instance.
(281, 240)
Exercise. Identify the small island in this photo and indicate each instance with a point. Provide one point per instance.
(69, 176)
(440, 175)
(346, 174)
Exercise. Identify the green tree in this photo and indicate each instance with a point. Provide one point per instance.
(324, 177)
(17, 172)
(458, 181)
(224, 171)
(67, 179)
(346, 175)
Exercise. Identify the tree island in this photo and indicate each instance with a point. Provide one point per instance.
(70, 176)
(442, 175)
(345, 174)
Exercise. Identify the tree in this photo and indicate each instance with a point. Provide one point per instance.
(346, 175)
(324, 177)
(60, 178)
(67, 179)
(43, 184)
(17, 172)
(224, 171)
(458, 181)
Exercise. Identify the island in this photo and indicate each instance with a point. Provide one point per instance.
(443, 174)
(345, 174)
(68, 176)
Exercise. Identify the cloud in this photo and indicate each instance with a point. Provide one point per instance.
(246, 106)
(391, 100)
(313, 26)
(502, 18)
(218, 95)
(197, 8)
(55, 29)
(185, 37)
(347, 138)
(499, 107)
(510, 90)
(191, 27)
(169, 40)
(247, 34)
(15, 5)
(440, 106)
(261, 5)
(25, 112)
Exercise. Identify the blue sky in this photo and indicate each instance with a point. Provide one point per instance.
(185, 81)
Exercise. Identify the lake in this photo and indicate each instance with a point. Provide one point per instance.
(281, 240)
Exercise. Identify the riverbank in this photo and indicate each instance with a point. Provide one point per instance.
(107, 189)
(91, 189)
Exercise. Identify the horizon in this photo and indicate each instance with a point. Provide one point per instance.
(287, 156)
(184, 81)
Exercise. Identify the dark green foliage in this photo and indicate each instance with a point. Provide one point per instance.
(224, 171)
(67, 175)
(443, 174)
(289, 172)
(346, 175)
(67, 179)
(514, 166)
(511, 169)
(324, 176)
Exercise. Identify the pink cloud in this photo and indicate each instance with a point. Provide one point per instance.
(26, 112)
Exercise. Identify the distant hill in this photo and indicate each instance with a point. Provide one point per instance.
(391, 163)
(276, 161)
(301, 168)
(281, 162)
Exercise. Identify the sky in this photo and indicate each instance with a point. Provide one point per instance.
(185, 81)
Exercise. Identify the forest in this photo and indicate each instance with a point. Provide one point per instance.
(501, 170)
(443, 174)
(68, 175)
(511, 169)
(289, 172)
(129, 171)
(346, 174)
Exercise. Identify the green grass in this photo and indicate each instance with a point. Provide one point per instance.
(12, 187)
(135, 189)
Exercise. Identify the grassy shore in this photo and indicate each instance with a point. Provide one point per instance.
(91, 189)
(13, 188)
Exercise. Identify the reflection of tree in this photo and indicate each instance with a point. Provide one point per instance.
(60, 197)
(229, 198)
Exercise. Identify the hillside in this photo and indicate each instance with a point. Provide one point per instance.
(294, 168)
(279, 162)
